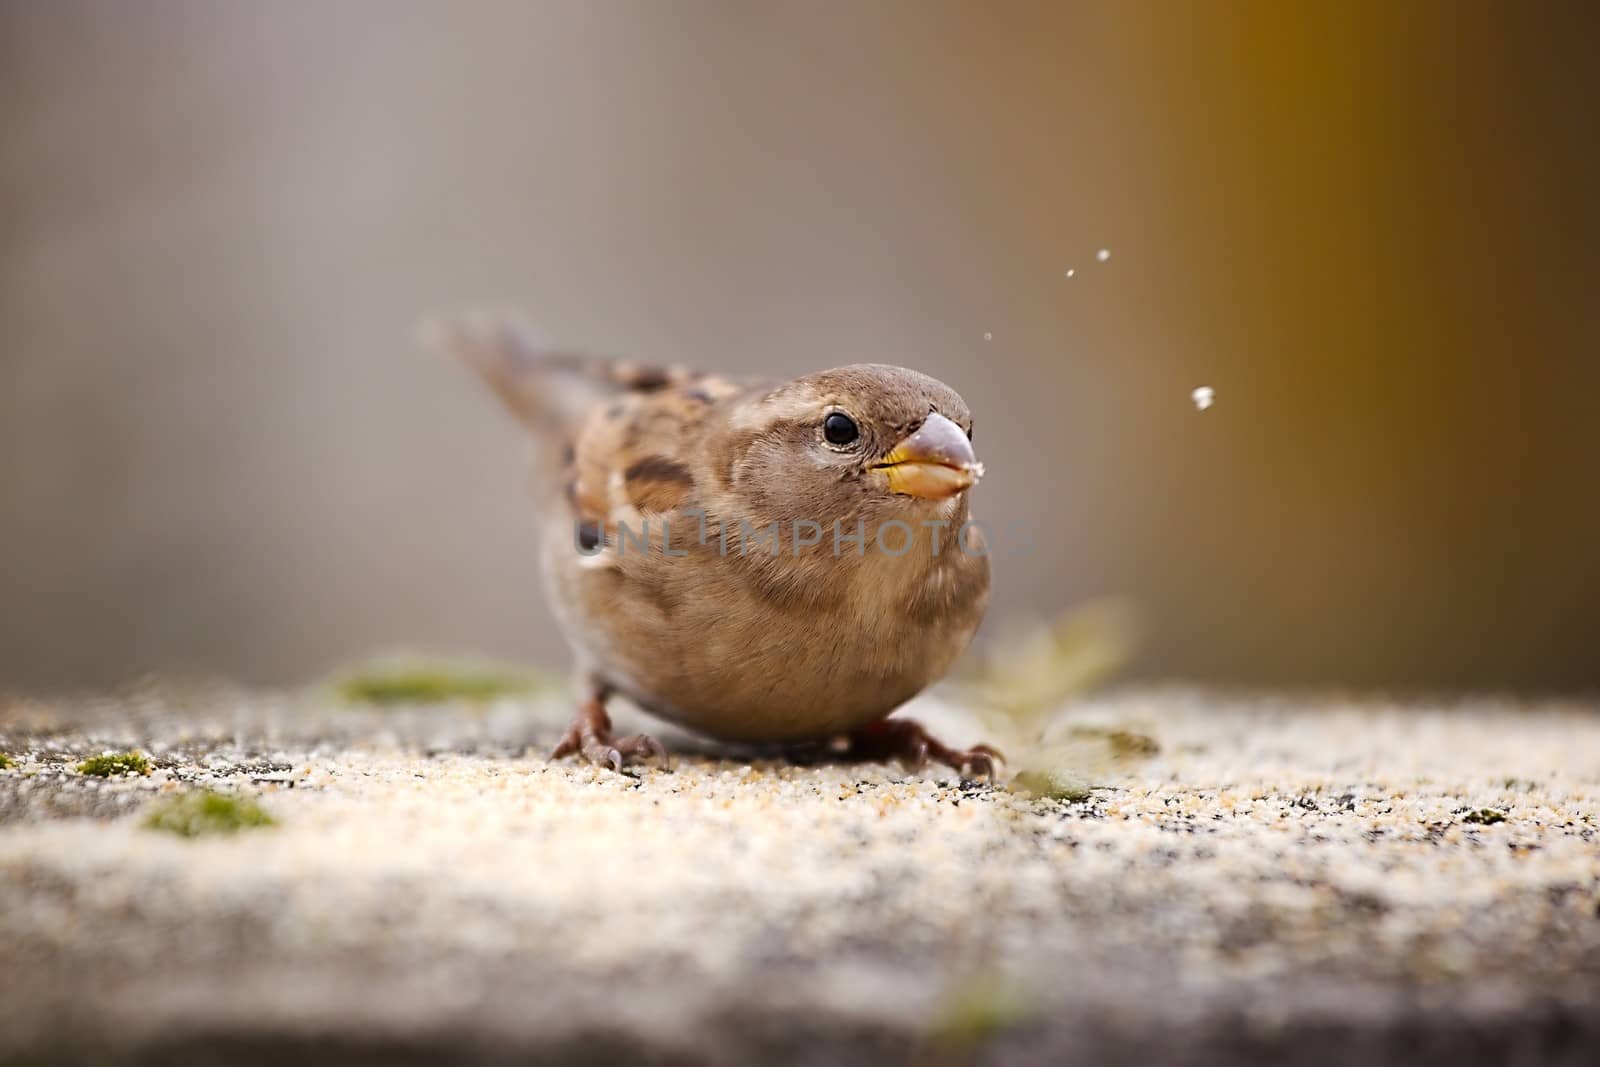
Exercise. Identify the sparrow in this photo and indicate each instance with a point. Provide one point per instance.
(755, 561)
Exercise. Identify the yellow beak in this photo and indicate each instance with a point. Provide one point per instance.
(935, 462)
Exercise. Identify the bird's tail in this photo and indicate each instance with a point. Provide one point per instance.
(547, 390)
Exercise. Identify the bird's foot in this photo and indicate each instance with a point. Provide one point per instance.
(910, 743)
(590, 736)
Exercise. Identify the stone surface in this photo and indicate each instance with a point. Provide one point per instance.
(1268, 880)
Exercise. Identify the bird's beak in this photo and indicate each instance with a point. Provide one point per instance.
(934, 462)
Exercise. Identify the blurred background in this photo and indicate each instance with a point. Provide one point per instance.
(1372, 228)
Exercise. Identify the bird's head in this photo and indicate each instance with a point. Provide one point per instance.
(870, 441)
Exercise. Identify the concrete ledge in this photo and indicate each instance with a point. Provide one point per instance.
(1279, 881)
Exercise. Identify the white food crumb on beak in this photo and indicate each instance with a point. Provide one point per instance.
(1203, 397)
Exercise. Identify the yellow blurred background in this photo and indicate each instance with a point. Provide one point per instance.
(1372, 228)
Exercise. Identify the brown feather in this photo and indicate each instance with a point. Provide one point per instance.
(739, 642)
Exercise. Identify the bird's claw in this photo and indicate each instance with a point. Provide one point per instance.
(639, 746)
(590, 736)
(982, 761)
(909, 743)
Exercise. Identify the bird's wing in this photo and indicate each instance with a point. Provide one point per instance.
(618, 436)
(635, 455)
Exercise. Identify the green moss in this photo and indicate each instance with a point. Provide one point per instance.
(6, 761)
(434, 683)
(978, 1010)
(205, 812)
(1050, 785)
(1031, 670)
(1124, 743)
(1484, 817)
(115, 763)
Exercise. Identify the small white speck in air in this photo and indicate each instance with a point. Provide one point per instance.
(1071, 272)
(1204, 397)
(988, 337)
(1103, 255)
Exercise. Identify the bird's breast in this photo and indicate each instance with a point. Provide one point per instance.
(772, 648)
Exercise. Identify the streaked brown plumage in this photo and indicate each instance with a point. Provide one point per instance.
(707, 626)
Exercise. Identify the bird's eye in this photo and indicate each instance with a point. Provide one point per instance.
(839, 429)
